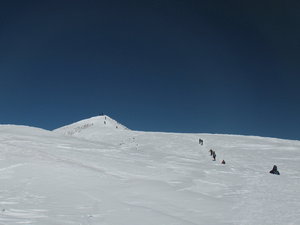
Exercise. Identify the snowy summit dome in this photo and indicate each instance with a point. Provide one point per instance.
(92, 128)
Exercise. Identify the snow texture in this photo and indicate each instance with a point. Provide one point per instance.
(97, 171)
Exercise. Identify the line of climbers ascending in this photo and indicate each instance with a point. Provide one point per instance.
(213, 154)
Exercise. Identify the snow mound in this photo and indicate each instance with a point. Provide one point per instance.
(93, 128)
(8, 129)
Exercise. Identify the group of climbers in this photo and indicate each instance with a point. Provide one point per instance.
(213, 154)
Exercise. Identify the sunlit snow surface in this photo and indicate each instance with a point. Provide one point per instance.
(105, 174)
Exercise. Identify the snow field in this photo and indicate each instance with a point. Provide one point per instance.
(100, 174)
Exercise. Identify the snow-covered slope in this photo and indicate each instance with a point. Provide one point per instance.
(96, 174)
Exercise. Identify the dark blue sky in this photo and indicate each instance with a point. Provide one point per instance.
(182, 66)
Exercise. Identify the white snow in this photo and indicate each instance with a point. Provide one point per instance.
(92, 172)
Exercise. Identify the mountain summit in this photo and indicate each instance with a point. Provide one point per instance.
(92, 128)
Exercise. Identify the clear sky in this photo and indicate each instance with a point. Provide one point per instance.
(182, 66)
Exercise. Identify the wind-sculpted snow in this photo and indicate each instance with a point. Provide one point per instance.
(94, 173)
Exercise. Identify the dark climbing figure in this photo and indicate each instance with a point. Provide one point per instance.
(200, 141)
(214, 156)
(274, 170)
(211, 152)
(223, 161)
